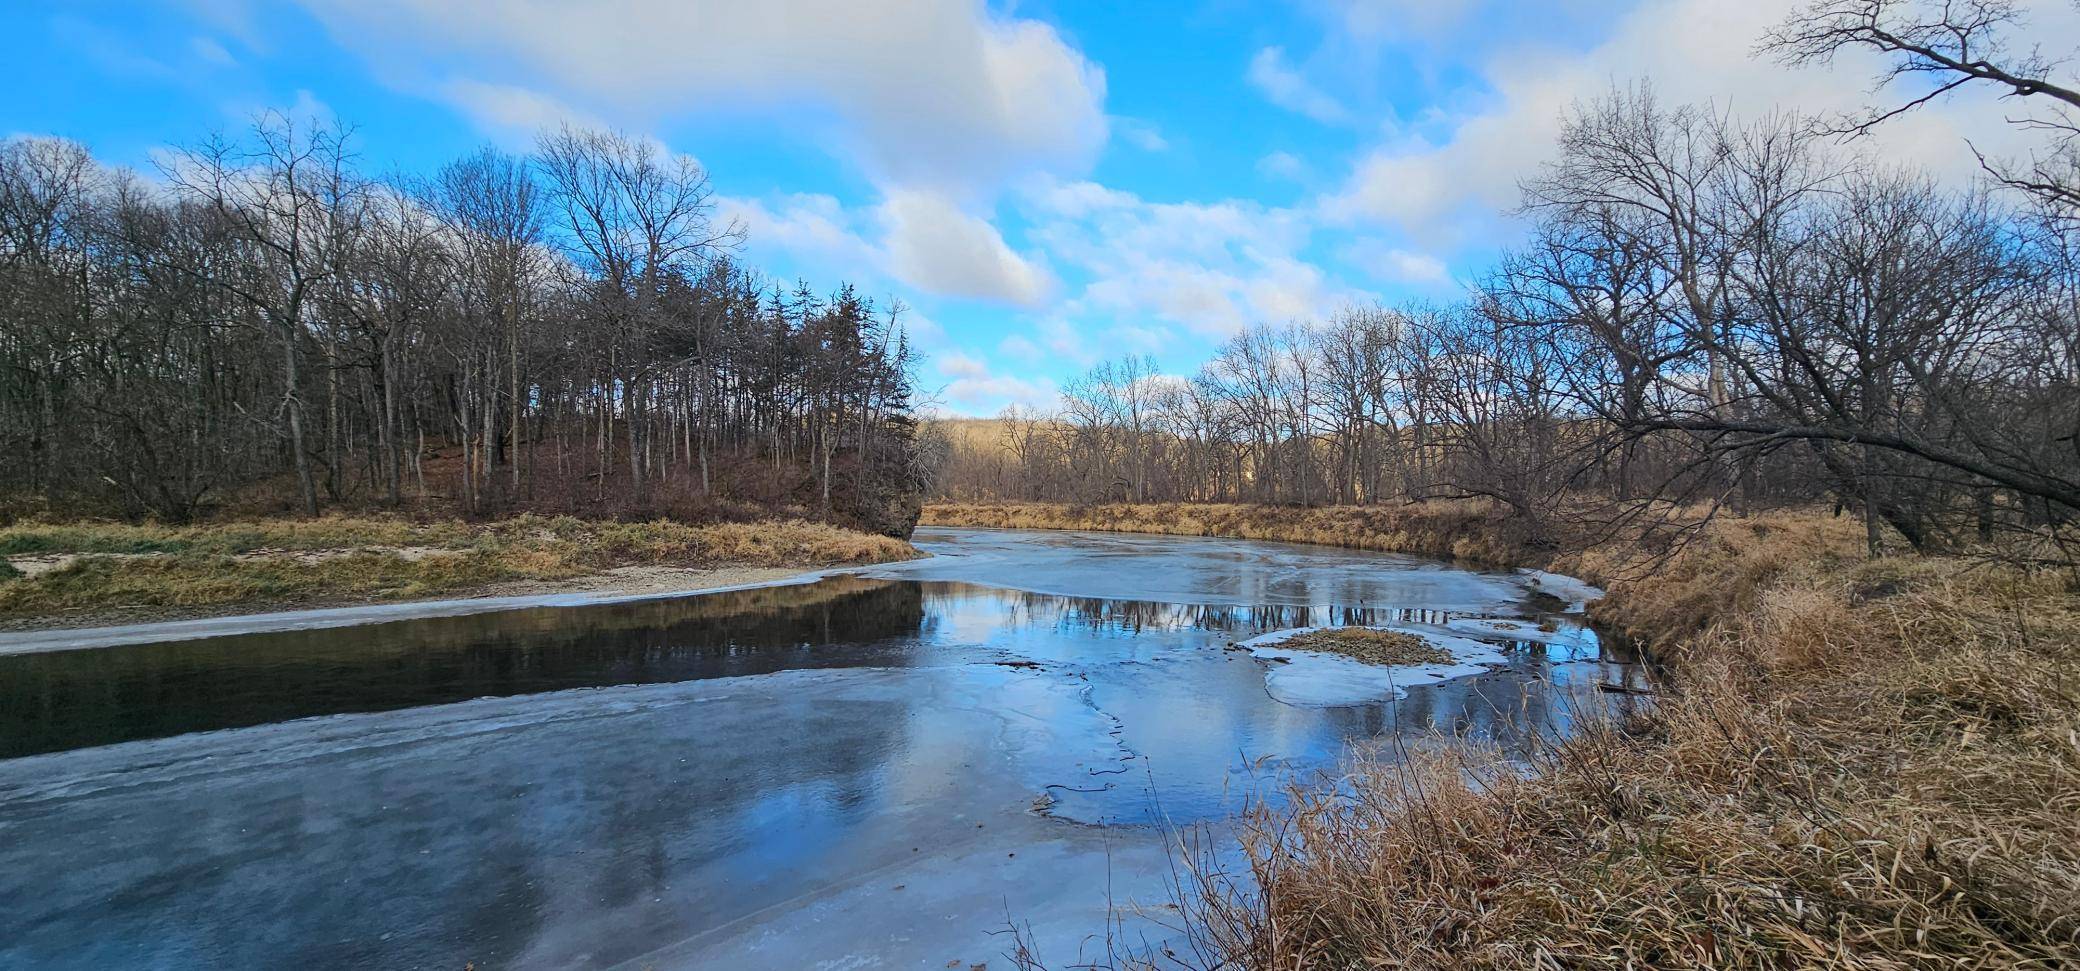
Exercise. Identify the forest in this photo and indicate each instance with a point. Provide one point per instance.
(262, 325)
(1706, 309)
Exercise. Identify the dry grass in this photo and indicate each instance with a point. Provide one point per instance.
(1366, 644)
(370, 558)
(244, 536)
(1475, 531)
(1869, 764)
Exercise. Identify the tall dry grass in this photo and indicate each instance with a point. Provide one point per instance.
(1861, 764)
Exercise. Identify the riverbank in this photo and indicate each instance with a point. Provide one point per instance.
(1474, 531)
(67, 575)
(1860, 763)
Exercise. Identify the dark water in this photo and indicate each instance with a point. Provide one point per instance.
(867, 770)
(74, 699)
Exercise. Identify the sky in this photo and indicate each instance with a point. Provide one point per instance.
(1042, 184)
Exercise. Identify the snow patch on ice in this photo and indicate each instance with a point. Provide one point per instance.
(1314, 679)
(1577, 593)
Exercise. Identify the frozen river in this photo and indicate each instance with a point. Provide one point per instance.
(875, 769)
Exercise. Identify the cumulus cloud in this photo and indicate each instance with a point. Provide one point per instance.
(942, 92)
(806, 224)
(918, 237)
(955, 364)
(1210, 268)
(1289, 89)
(932, 244)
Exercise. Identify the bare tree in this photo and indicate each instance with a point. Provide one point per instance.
(289, 203)
(1935, 48)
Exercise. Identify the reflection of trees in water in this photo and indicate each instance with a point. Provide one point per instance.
(1105, 615)
(69, 699)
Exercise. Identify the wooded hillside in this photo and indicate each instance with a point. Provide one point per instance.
(262, 321)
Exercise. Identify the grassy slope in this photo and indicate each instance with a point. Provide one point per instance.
(362, 558)
(1862, 764)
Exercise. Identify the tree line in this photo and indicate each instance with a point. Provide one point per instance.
(1707, 308)
(566, 331)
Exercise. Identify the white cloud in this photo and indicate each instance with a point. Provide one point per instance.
(1282, 165)
(1067, 343)
(1210, 268)
(514, 113)
(932, 244)
(1416, 267)
(1449, 188)
(310, 111)
(924, 332)
(955, 364)
(1143, 135)
(974, 389)
(210, 52)
(1288, 89)
(1021, 347)
(235, 18)
(945, 92)
(808, 225)
(919, 238)
(1405, 266)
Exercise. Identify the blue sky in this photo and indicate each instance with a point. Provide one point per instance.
(1045, 184)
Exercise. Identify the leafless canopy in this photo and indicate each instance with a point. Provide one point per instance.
(568, 332)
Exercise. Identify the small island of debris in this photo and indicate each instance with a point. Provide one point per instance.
(1369, 645)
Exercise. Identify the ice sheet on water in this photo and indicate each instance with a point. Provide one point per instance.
(1577, 593)
(1315, 679)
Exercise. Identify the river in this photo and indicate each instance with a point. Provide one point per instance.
(879, 768)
